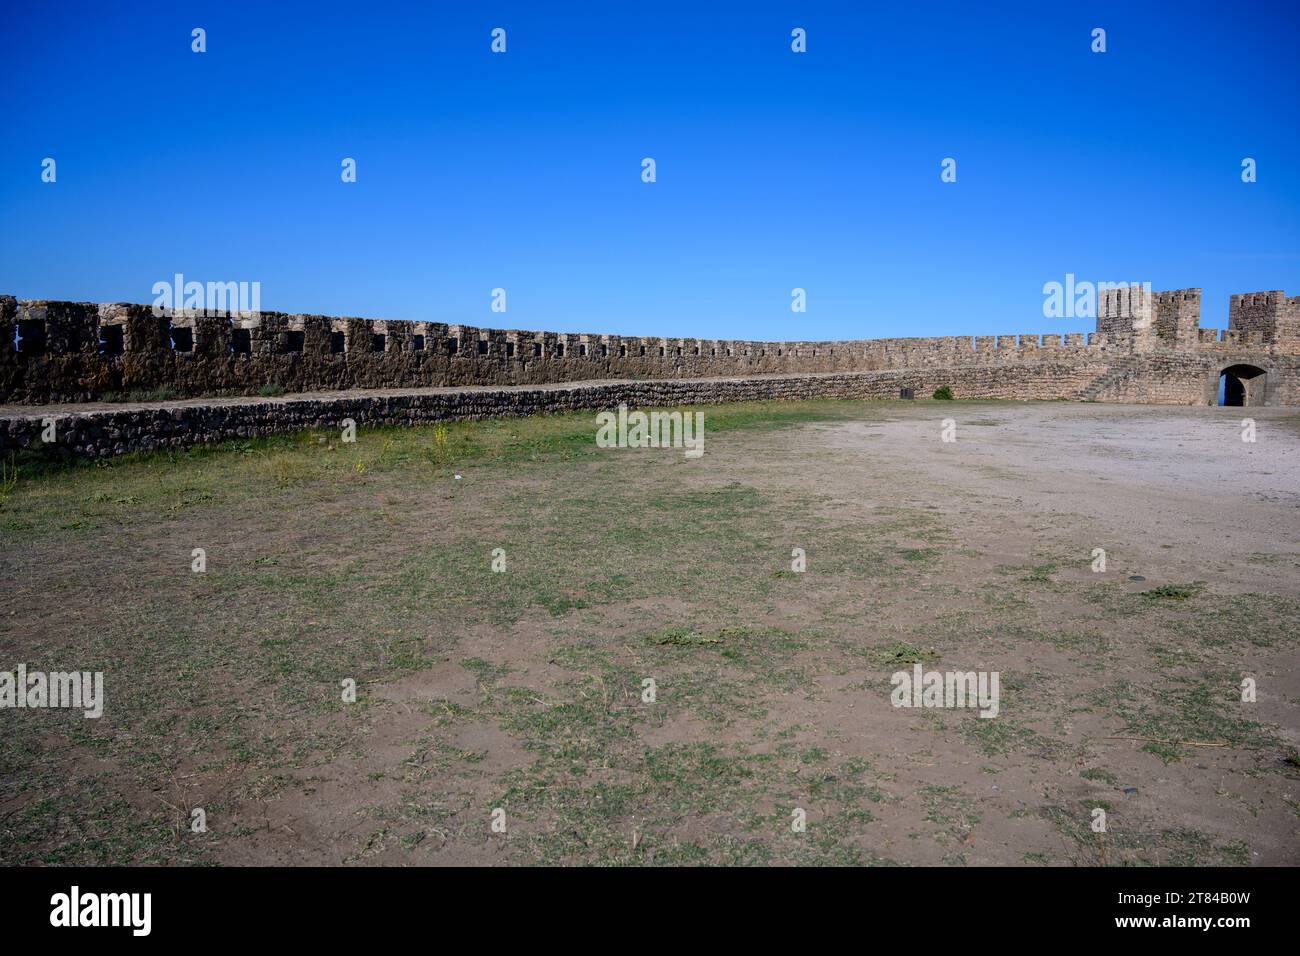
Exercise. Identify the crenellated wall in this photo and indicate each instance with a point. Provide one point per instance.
(70, 352)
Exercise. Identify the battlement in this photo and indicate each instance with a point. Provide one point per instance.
(1179, 295)
(1211, 338)
(1271, 300)
(79, 351)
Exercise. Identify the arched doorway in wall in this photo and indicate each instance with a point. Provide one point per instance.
(1242, 385)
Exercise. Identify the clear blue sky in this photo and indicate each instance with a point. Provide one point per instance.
(775, 169)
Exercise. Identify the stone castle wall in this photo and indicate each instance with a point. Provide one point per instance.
(68, 352)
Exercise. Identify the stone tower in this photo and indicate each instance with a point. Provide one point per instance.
(1127, 312)
(1178, 317)
(1270, 313)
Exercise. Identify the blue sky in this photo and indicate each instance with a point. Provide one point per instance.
(775, 169)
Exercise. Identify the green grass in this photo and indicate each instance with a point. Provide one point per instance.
(1202, 708)
(1124, 844)
(371, 561)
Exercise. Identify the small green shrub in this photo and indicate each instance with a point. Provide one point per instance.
(943, 393)
(682, 637)
(901, 653)
(1174, 592)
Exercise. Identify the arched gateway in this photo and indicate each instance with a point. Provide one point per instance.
(1242, 385)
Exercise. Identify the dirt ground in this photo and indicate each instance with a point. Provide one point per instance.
(501, 716)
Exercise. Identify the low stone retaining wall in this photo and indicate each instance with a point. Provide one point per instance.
(88, 431)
